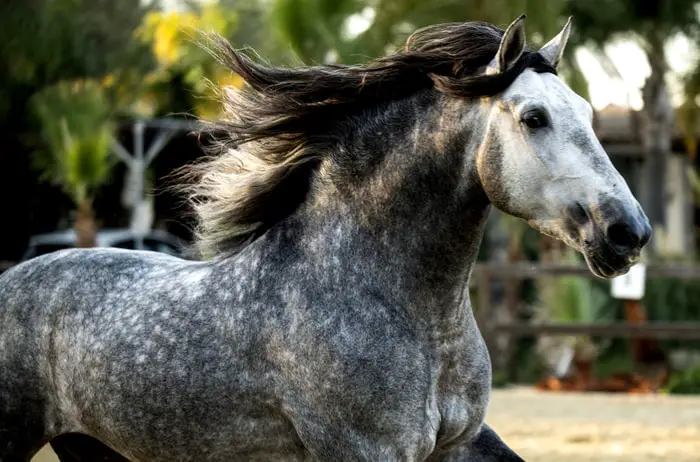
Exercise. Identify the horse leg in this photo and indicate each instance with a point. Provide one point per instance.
(22, 428)
(487, 446)
(77, 447)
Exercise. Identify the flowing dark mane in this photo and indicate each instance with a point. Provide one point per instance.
(280, 124)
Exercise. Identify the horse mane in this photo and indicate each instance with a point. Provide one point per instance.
(275, 130)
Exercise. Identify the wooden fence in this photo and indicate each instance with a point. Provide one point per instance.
(485, 273)
(500, 336)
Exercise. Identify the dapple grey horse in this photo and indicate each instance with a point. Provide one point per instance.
(330, 317)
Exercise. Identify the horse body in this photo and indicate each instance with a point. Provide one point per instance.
(341, 329)
(247, 356)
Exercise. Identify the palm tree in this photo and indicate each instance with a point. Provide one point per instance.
(76, 132)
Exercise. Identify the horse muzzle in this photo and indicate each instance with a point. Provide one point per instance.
(613, 236)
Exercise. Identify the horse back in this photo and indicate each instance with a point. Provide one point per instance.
(54, 311)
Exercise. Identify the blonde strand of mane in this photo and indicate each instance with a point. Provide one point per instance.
(227, 189)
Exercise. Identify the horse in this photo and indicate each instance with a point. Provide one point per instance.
(328, 318)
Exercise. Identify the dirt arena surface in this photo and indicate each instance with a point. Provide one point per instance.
(590, 427)
(578, 427)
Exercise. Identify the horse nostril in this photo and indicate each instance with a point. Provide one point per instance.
(621, 235)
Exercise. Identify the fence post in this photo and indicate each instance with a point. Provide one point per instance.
(512, 286)
(484, 305)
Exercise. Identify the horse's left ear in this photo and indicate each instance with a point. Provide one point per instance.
(553, 50)
(511, 47)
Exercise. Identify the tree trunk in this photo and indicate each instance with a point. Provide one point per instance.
(649, 357)
(513, 290)
(657, 118)
(583, 377)
(85, 227)
(502, 241)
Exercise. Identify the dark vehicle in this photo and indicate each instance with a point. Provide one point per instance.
(156, 240)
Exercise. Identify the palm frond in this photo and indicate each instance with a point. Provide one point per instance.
(76, 130)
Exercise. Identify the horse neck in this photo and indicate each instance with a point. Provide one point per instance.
(398, 208)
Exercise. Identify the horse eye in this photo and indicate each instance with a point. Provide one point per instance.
(535, 119)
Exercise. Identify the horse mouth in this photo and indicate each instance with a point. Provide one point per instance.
(605, 258)
(607, 264)
(610, 252)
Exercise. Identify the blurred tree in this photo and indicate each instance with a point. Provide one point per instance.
(76, 129)
(253, 29)
(182, 80)
(43, 42)
(322, 30)
(146, 61)
(650, 23)
(689, 121)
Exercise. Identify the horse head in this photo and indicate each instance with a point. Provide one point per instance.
(540, 161)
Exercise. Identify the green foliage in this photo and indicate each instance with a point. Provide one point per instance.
(186, 78)
(527, 366)
(651, 24)
(684, 382)
(616, 358)
(602, 20)
(254, 29)
(317, 29)
(689, 112)
(76, 129)
(569, 299)
(672, 300)
(499, 379)
(45, 41)
(313, 28)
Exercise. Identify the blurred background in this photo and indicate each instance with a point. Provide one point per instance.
(99, 99)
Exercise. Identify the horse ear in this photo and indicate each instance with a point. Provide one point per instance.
(553, 50)
(512, 46)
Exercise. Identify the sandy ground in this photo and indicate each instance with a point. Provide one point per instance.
(548, 427)
(573, 427)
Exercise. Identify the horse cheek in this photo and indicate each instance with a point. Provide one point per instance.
(490, 165)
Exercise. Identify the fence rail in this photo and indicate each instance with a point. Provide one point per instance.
(500, 335)
(676, 331)
(528, 270)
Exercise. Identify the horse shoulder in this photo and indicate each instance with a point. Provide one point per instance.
(362, 371)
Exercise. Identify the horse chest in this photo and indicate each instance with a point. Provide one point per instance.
(463, 389)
